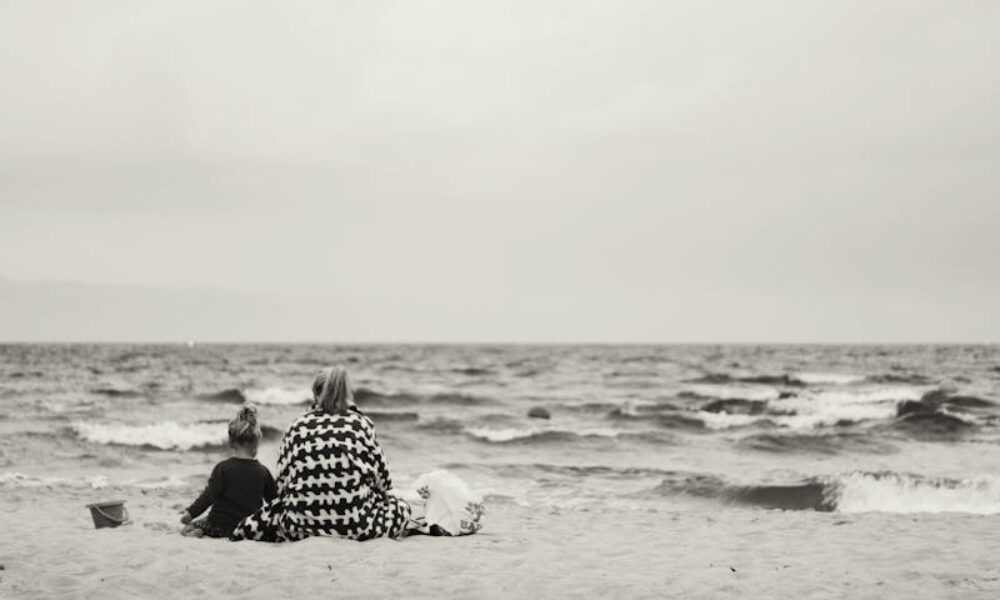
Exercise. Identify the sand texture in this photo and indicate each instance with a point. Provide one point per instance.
(50, 549)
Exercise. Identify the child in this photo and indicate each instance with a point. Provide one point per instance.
(238, 485)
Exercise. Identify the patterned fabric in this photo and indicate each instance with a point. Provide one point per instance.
(443, 505)
(332, 480)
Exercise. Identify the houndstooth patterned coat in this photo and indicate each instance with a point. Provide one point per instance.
(332, 480)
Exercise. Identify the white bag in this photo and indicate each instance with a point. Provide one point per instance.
(444, 505)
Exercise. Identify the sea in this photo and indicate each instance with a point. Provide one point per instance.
(898, 429)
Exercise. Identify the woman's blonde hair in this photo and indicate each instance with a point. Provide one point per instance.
(244, 430)
(332, 392)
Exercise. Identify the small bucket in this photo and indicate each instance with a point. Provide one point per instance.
(109, 514)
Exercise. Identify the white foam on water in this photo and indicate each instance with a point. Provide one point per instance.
(278, 396)
(167, 435)
(170, 481)
(721, 420)
(898, 493)
(828, 378)
(510, 434)
(20, 480)
(733, 392)
(821, 409)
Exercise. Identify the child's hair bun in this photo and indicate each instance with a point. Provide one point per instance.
(244, 429)
(248, 413)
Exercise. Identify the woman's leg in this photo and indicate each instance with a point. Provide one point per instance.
(263, 525)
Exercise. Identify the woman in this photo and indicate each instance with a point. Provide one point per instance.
(332, 477)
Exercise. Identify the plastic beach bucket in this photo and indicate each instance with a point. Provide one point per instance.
(108, 514)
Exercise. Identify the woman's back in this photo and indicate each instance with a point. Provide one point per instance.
(333, 480)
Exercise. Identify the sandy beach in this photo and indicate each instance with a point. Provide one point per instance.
(661, 472)
(51, 550)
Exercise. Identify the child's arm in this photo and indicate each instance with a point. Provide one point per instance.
(284, 455)
(207, 497)
(270, 489)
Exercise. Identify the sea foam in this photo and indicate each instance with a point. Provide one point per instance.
(902, 493)
(278, 396)
(820, 409)
(165, 436)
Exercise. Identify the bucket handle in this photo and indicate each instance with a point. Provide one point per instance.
(121, 521)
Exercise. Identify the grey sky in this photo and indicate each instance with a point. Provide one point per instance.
(508, 171)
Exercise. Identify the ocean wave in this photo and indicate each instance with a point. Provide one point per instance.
(474, 371)
(96, 482)
(906, 493)
(533, 470)
(809, 410)
(785, 380)
(731, 392)
(516, 435)
(896, 378)
(795, 443)
(737, 406)
(671, 420)
(168, 435)
(394, 416)
(828, 378)
(365, 396)
(20, 480)
(442, 425)
(937, 424)
(116, 392)
(903, 409)
(231, 395)
(275, 396)
(852, 492)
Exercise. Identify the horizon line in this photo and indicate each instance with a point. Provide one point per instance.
(480, 343)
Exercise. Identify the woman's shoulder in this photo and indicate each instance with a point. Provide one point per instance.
(319, 418)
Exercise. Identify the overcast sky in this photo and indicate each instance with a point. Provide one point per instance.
(500, 171)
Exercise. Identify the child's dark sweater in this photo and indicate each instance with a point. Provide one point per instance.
(237, 487)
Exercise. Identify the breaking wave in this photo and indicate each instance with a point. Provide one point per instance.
(854, 492)
(168, 435)
(275, 396)
(365, 397)
(526, 436)
(164, 436)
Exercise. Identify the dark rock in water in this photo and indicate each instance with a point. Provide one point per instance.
(786, 395)
(232, 395)
(538, 412)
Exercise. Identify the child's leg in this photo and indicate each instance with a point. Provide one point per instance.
(203, 528)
